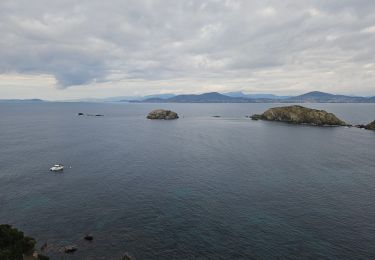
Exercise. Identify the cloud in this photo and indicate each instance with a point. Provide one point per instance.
(218, 42)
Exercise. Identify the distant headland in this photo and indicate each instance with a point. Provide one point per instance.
(22, 100)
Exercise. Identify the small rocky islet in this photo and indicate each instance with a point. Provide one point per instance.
(162, 114)
(83, 114)
(300, 115)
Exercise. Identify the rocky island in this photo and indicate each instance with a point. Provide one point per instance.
(300, 115)
(162, 114)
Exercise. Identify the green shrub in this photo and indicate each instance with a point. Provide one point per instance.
(13, 243)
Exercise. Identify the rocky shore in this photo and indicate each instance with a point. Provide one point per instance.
(162, 114)
(15, 245)
(300, 115)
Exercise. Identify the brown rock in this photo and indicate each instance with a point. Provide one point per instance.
(162, 114)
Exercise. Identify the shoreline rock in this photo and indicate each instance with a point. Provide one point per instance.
(300, 115)
(70, 249)
(370, 126)
(162, 114)
(126, 256)
(44, 247)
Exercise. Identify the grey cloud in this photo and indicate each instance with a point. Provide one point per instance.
(80, 42)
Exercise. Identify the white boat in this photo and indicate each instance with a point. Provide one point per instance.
(57, 168)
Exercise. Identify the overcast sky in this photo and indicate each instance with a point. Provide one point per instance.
(73, 49)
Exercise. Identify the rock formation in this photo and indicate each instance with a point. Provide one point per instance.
(70, 249)
(126, 256)
(300, 115)
(88, 237)
(371, 126)
(162, 114)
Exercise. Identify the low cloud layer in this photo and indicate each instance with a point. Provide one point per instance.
(262, 46)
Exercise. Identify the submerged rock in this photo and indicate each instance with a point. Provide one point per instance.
(70, 249)
(81, 114)
(162, 114)
(88, 237)
(371, 126)
(94, 115)
(300, 115)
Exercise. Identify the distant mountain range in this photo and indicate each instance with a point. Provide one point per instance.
(321, 97)
(239, 97)
(243, 95)
(212, 97)
(230, 97)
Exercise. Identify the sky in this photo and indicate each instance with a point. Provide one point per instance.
(72, 49)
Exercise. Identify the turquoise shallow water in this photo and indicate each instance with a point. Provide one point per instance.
(195, 188)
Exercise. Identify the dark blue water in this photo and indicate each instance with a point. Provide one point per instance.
(194, 188)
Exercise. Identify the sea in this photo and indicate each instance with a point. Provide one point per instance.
(199, 187)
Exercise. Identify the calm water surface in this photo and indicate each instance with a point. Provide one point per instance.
(195, 188)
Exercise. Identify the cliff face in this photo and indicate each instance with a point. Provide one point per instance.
(162, 114)
(300, 115)
(371, 126)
